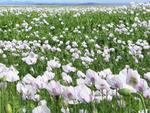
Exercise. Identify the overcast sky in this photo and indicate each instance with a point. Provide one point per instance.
(79, 1)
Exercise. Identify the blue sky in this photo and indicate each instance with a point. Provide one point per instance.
(78, 1)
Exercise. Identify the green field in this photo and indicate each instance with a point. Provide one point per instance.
(65, 41)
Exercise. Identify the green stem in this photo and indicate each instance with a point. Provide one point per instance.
(142, 100)
(129, 104)
(94, 108)
(1, 99)
(116, 101)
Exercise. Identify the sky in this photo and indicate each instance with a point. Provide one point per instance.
(77, 1)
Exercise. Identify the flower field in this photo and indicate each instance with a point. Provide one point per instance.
(81, 59)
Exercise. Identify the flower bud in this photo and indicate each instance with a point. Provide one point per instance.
(8, 108)
(124, 92)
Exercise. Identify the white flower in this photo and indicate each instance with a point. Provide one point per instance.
(84, 93)
(69, 93)
(91, 75)
(87, 59)
(53, 64)
(48, 75)
(54, 88)
(83, 111)
(27, 91)
(80, 81)
(41, 108)
(142, 85)
(40, 82)
(75, 55)
(147, 76)
(31, 58)
(117, 81)
(28, 79)
(68, 68)
(146, 93)
(81, 74)
(102, 84)
(2, 68)
(132, 76)
(11, 74)
(63, 110)
(105, 74)
(66, 78)
(142, 111)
